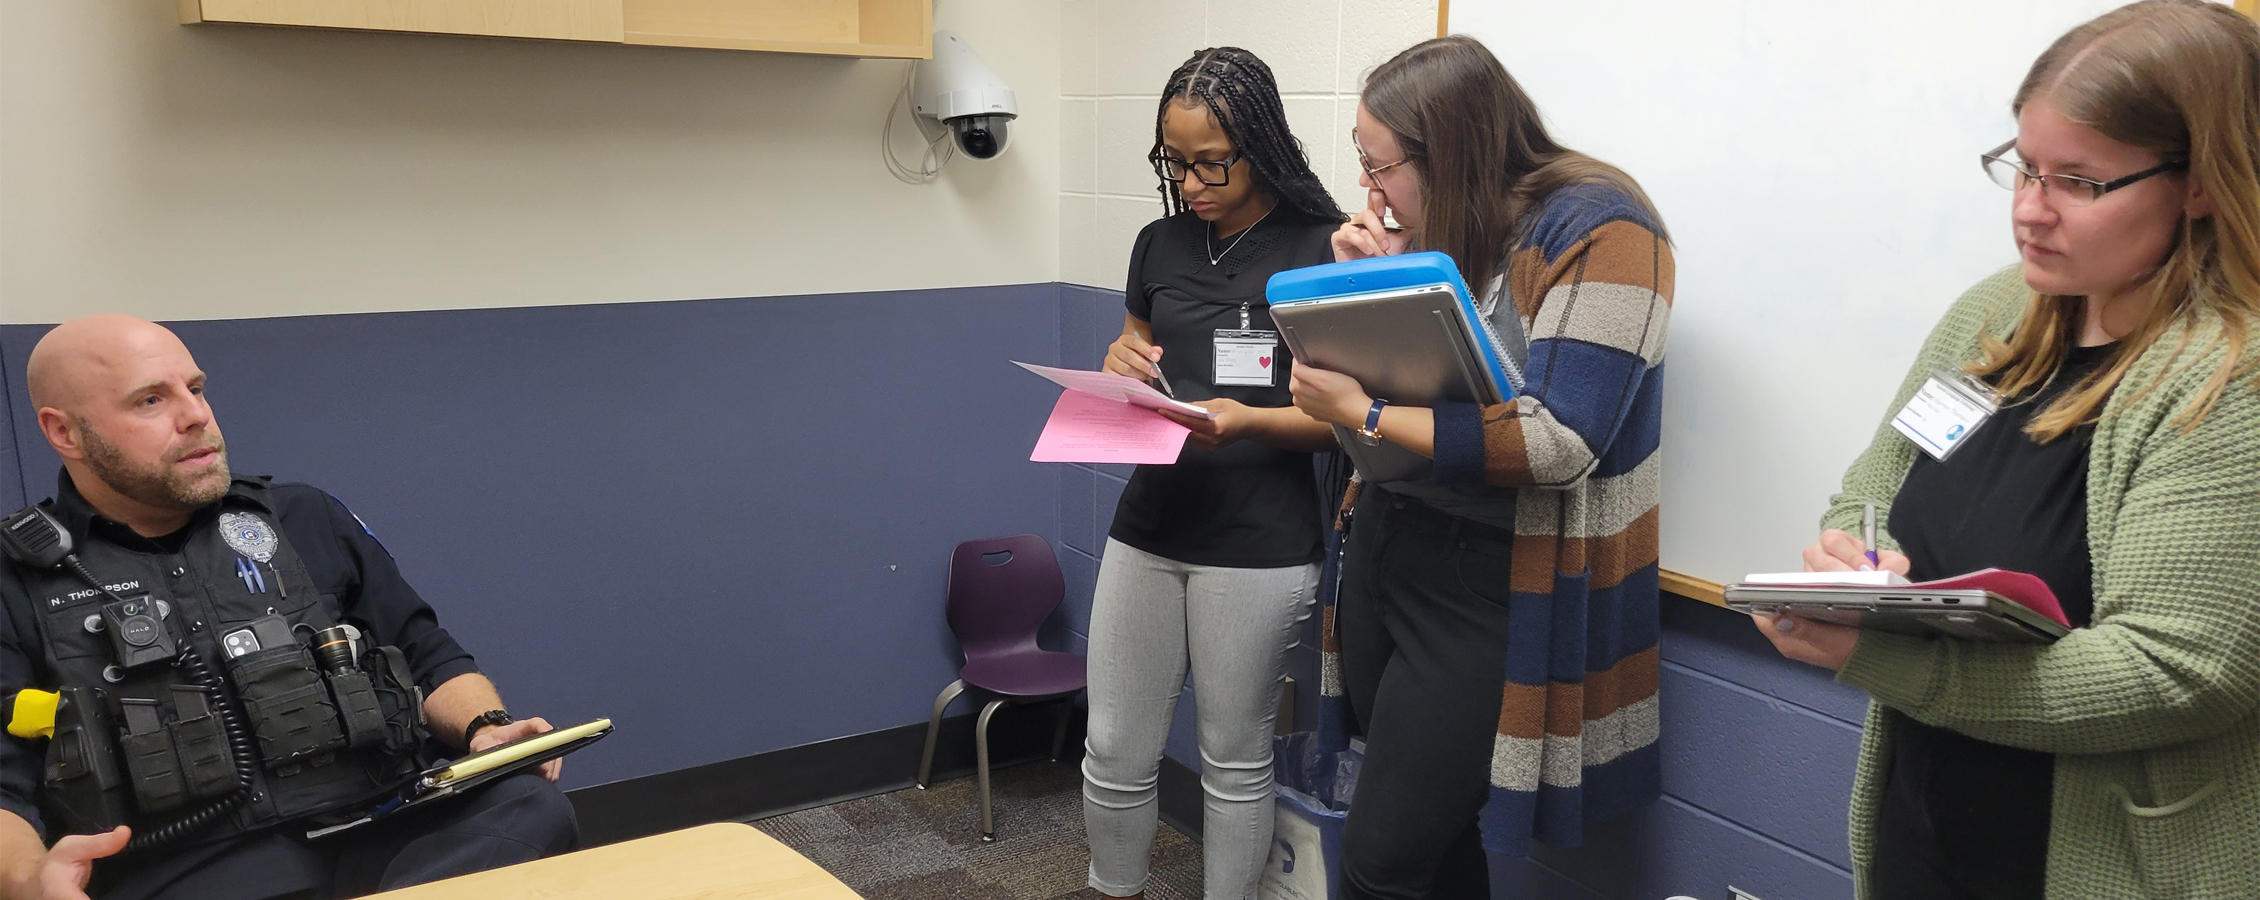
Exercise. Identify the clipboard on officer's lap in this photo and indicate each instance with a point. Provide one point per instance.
(459, 776)
(1407, 329)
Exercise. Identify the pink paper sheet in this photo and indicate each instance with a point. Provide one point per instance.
(1089, 429)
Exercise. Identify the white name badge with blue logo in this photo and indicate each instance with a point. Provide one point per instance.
(1942, 415)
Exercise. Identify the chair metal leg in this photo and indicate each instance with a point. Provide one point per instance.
(934, 731)
(981, 762)
(1059, 731)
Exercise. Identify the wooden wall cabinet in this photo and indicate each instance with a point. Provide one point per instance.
(901, 29)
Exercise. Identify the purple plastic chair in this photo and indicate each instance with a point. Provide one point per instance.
(1001, 591)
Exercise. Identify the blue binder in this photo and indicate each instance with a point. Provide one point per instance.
(1360, 278)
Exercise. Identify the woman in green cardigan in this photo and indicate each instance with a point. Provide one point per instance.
(2122, 467)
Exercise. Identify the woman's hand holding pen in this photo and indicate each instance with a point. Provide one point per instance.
(1826, 644)
(1839, 551)
(1364, 235)
(1132, 356)
(1330, 397)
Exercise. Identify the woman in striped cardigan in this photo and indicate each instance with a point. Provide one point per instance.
(1497, 622)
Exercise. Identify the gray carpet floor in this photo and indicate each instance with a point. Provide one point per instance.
(926, 845)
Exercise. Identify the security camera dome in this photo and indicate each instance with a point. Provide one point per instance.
(956, 88)
(980, 137)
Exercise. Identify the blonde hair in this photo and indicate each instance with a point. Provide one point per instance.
(2180, 78)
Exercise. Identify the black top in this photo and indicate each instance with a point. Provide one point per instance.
(2000, 501)
(1247, 505)
(341, 556)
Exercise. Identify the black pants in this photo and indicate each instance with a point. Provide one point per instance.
(1422, 618)
(1961, 819)
(515, 819)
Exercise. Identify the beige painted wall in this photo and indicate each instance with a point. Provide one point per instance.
(222, 171)
(1115, 55)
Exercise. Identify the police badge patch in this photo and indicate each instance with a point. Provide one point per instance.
(249, 535)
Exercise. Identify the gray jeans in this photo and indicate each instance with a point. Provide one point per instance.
(1152, 619)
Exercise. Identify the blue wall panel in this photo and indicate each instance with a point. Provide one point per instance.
(1083, 315)
(1765, 766)
(1081, 571)
(1706, 638)
(724, 523)
(1524, 878)
(1672, 848)
(1078, 511)
(1111, 483)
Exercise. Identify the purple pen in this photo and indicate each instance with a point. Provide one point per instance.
(1867, 535)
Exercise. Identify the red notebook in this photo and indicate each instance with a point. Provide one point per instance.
(2026, 590)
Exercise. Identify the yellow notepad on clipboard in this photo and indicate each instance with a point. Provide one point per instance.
(457, 776)
(518, 751)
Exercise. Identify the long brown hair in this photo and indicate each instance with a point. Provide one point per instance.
(1483, 154)
(2179, 78)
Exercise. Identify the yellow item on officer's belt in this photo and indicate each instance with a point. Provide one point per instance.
(35, 714)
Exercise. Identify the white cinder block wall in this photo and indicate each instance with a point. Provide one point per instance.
(1115, 56)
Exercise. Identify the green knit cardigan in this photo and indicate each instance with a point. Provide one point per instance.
(2150, 709)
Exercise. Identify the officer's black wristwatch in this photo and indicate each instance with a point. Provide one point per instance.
(490, 717)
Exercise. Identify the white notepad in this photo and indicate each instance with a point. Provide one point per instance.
(1875, 578)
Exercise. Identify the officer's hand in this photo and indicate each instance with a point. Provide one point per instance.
(503, 734)
(66, 867)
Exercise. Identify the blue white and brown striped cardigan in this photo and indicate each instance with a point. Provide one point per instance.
(1591, 277)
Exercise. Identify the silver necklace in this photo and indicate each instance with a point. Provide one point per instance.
(1209, 246)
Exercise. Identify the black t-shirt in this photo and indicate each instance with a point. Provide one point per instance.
(1247, 505)
(2000, 501)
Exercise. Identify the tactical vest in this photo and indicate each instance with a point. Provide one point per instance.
(141, 744)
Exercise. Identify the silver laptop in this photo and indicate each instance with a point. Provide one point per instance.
(1411, 346)
(1971, 614)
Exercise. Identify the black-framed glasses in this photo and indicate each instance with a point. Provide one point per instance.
(1372, 172)
(2071, 189)
(1211, 172)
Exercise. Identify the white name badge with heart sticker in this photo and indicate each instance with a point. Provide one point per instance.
(1246, 358)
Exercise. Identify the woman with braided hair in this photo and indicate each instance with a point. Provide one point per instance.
(1211, 563)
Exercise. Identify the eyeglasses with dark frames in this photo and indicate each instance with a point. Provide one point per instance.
(1211, 172)
(2071, 189)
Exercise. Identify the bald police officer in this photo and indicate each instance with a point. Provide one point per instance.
(199, 736)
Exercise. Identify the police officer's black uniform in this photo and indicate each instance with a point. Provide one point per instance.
(330, 742)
